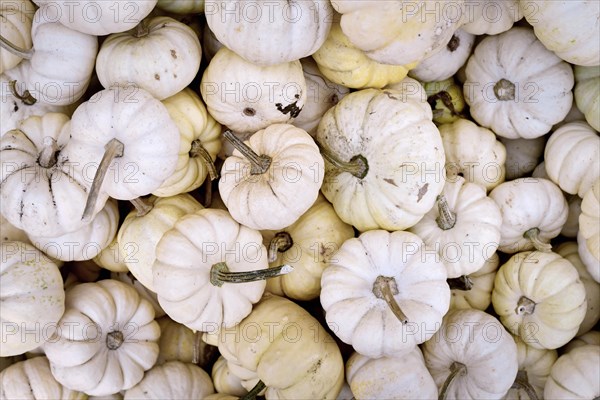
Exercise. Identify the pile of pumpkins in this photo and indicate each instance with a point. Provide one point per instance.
(315, 199)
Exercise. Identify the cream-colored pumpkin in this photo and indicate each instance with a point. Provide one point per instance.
(15, 24)
(400, 31)
(475, 290)
(490, 17)
(107, 339)
(463, 228)
(521, 92)
(446, 100)
(522, 156)
(139, 234)
(540, 298)
(551, 20)
(569, 251)
(110, 258)
(274, 178)
(32, 379)
(444, 63)
(574, 376)
(307, 245)
(533, 212)
(404, 377)
(384, 293)
(224, 380)
(199, 140)
(270, 33)
(181, 6)
(591, 337)
(572, 157)
(475, 348)
(32, 298)
(86, 242)
(587, 93)
(143, 291)
(473, 152)
(589, 228)
(247, 97)
(161, 56)
(172, 380)
(342, 63)
(179, 343)
(384, 158)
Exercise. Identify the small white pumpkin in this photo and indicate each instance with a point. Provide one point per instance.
(589, 228)
(574, 376)
(587, 93)
(110, 258)
(475, 290)
(490, 17)
(591, 337)
(15, 25)
(179, 343)
(224, 380)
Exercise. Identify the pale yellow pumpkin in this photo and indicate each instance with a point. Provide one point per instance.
(574, 376)
(179, 343)
(587, 93)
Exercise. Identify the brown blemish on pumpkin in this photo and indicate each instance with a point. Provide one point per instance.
(157, 77)
(292, 109)
(390, 181)
(422, 192)
(174, 54)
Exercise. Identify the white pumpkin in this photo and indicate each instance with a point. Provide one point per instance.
(179, 343)
(161, 56)
(143, 291)
(574, 376)
(270, 32)
(589, 228)
(587, 93)
(475, 290)
(591, 337)
(521, 92)
(110, 258)
(490, 17)
(522, 156)
(105, 340)
(384, 293)
(224, 380)
(32, 298)
(15, 24)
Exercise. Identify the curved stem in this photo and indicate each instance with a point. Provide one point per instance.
(114, 340)
(504, 90)
(525, 306)
(456, 369)
(198, 150)
(522, 382)
(142, 206)
(207, 193)
(385, 288)
(113, 149)
(196, 349)
(463, 283)
(26, 97)
(533, 235)
(220, 274)
(251, 395)
(357, 166)
(258, 164)
(14, 49)
(447, 219)
(142, 29)
(47, 158)
(281, 242)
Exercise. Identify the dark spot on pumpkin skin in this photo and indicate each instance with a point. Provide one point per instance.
(292, 109)
(157, 77)
(174, 54)
(422, 192)
(390, 181)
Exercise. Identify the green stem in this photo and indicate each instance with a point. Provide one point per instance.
(504, 90)
(385, 288)
(447, 219)
(525, 306)
(357, 166)
(220, 274)
(251, 395)
(198, 150)
(142, 206)
(258, 164)
(281, 242)
(26, 97)
(47, 158)
(14, 49)
(522, 382)
(533, 235)
(456, 369)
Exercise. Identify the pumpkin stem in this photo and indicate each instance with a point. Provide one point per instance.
(114, 340)
(196, 349)
(142, 29)
(453, 44)
(142, 206)
(504, 90)
(14, 49)
(198, 150)
(456, 369)
(207, 193)
(357, 166)
(385, 288)
(26, 97)
(251, 395)
(463, 282)
(446, 100)
(533, 235)
(259, 164)
(447, 219)
(47, 158)
(281, 242)
(522, 382)
(220, 274)
(525, 306)
(113, 149)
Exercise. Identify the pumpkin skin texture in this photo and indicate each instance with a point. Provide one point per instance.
(172, 380)
(277, 197)
(247, 97)
(540, 298)
(179, 343)
(270, 33)
(344, 64)
(591, 337)
(15, 24)
(360, 314)
(470, 235)
(12, 233)
(314, 237)
(479, 296)
(490, 355)
(589, 228)
(521, 92)
(181, 7)
(575, 43)
(575, 374)
(404, 377)
(32, 379)
(32, 297)
(308, 366)
(224, 380)
(184, 257)
(110, 258)
(473, 152)
(145, 293)
(114, 355)
(162, 59)
(572, 157)
(533, 212)
(491, 17)
(587, 93)
(395, 135)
